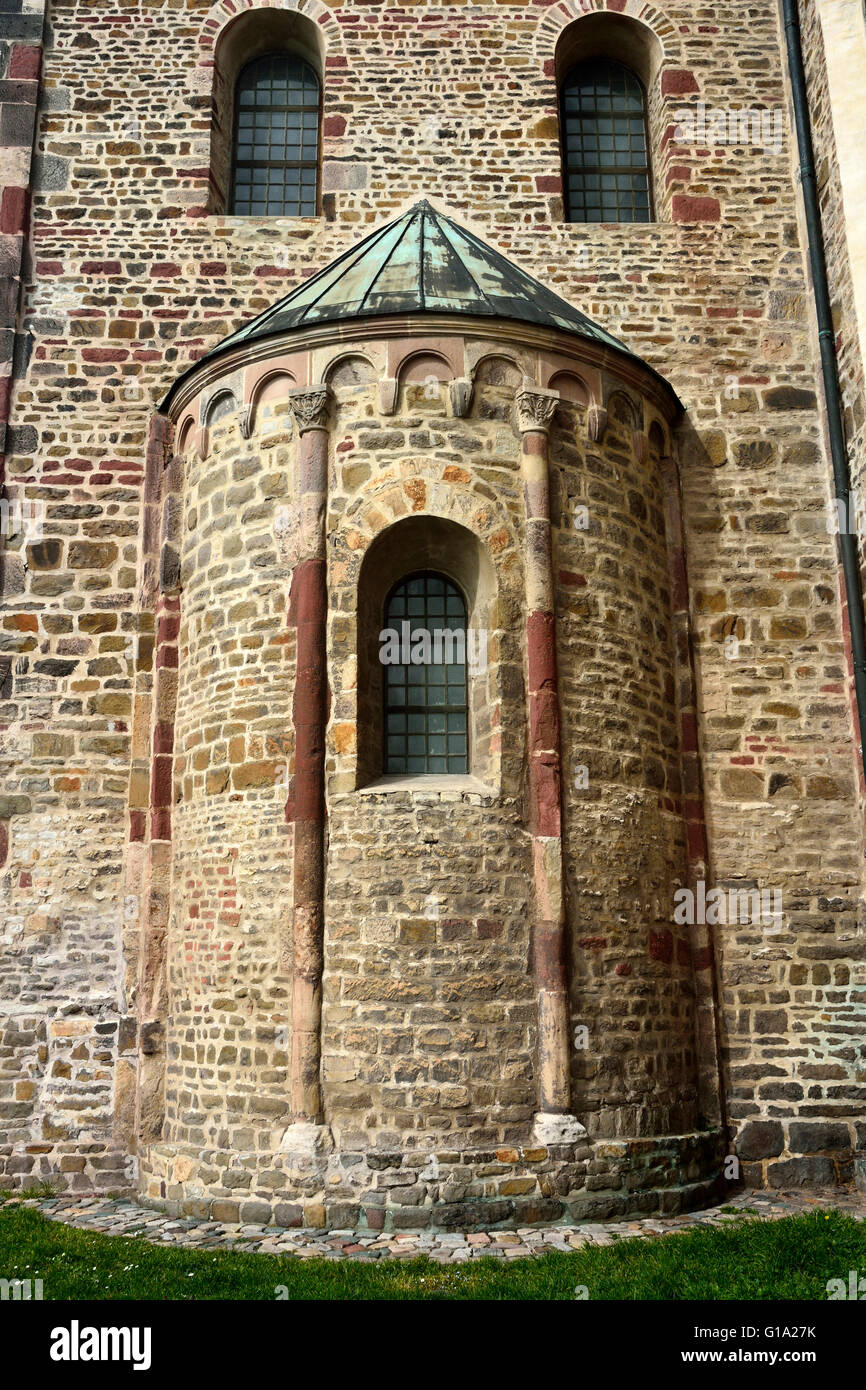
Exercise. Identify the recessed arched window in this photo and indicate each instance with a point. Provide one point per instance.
(604, 135)
(423, 652)
(276, 146)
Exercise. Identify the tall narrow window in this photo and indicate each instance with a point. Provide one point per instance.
(426, 698)
(604, 137)
(276, 150)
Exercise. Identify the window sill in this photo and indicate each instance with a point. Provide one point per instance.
(432, 787)
(244, 219)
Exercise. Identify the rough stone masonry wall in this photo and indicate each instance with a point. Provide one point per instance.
(625, 844)
(839, 271)
(129, 278)
(781, 776)
(229, 997)
(429, 1018)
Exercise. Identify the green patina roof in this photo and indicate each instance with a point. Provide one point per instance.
(421, 263)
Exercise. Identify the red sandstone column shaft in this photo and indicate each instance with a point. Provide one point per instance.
(535, 409)
(306, 804)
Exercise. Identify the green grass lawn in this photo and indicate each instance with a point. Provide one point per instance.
(749, 1259)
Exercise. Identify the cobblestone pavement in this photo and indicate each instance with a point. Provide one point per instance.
(124, 1217)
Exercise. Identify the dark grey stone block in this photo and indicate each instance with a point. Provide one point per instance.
(16, 123)
(760, 1139)
(805, 1138)
(22, 26)
(802, 1172)
(21, 439)
(50, 173)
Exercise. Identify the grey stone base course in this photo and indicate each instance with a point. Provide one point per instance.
(70, 1166)
(791, 1153)
(472, 1190)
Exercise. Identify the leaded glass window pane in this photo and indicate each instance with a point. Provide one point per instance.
(276, 151)
(604, 132)
(426, 699)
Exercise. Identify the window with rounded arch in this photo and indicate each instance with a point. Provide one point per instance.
(275, 167)
(425, 684)
(605, 147)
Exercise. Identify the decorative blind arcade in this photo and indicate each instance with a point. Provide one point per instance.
(426, 703)
(276, 152)
(604, 130)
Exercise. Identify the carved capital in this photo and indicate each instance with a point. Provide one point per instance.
(641, 445)
(535, 408)
(596, 423)
(310, 407)
(245, 421)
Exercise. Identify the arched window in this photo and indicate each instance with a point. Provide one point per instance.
(276, 145)
(604, 134)
(424, 658)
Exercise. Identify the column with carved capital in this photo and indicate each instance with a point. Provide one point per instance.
(553, 1122)
(305, 808)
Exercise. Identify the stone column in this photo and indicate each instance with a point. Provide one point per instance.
(305, 809)
(553, 1123)
(711, 1097)
(162, 584)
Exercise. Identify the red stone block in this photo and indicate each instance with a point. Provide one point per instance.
(26, 61)
(168, 629)
(334, 125)
(541, 650)
(543, 721)
(678, 173)
(687, 209)
(13, 210)
(160, 780)
(548, 183)
(488, 931)
(166, 657)
(661, 946)
(548, 956)
(163, 738)
(689, 731)
(677, 82)
(105, 354)
(696, 840)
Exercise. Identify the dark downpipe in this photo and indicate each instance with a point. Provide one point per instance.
(829, 363)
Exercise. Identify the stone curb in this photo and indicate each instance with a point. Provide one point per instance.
(124, 1217)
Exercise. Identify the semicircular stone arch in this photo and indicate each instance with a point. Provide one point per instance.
(221, 15)
(559, 17)
(449, 498)
(418, 509)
